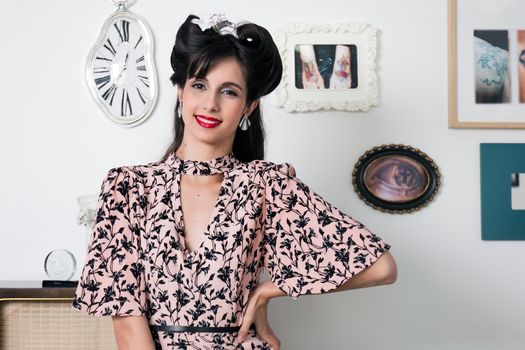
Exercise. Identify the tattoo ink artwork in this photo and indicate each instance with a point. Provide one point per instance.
(341, 77)
(521, 64)
(491, 62)
(396, 178)
(522, 57)
(310, 76)
(326, 66)
(486, 47)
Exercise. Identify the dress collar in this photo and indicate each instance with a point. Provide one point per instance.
(219, 165)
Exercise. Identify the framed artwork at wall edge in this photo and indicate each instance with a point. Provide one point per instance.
(486, 64)
(396, 178)
(502, 180)
(327, 66)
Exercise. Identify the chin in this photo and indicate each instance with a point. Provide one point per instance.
(212, 138)
(219, 132)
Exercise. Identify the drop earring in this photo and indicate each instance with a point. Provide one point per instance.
(179, 110)
(245, 123)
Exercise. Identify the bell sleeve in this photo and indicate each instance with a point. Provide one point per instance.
(112, 281)
(310, 246)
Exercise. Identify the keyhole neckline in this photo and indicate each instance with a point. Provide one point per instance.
(218, 165)
(177, 203)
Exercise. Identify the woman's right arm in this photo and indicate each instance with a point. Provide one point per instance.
(132, 332)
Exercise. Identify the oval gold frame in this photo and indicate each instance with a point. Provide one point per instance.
(369, 157)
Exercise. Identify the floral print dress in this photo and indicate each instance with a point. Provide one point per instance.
(264, 217)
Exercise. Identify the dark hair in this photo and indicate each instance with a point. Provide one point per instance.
(196, 51)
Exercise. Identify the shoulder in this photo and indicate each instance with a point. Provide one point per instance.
(266, 166)
(137, 178)
(260, 170)
(141, 172)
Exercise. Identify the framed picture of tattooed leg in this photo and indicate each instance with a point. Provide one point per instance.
(486, 55)
(396, 178)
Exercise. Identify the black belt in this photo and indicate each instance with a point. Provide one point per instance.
(196, 329)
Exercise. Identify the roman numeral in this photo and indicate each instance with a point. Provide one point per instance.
(142, 68)
(140, 59)
(144, 80)
(110, 47)
(101, 70)
(137, 44)
(125, 104)
(102, 81)
(140, 95)
(110, 93)
(124, 33)
(103, 59)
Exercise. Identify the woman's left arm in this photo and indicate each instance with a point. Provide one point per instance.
(311, 247)
(381, 272)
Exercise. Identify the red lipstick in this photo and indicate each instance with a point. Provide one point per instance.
(207, 121)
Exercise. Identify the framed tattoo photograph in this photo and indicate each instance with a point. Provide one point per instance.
(396, 178)
(327, 66)
(502, 179)
(486, 64)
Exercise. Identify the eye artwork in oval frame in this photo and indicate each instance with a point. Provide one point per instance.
(396, 178)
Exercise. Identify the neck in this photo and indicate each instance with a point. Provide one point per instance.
(201, 152)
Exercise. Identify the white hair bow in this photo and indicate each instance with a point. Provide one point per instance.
(218, 22)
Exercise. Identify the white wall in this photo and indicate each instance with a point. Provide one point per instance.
(454, 291)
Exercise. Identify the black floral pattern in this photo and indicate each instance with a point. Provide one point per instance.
(264, 217)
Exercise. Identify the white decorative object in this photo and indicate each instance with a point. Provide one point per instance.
(120, 69)
(360, 37)
(87, 213)
(60, 265)
(218, 22)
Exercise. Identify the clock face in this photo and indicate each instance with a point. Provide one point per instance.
(120, 71)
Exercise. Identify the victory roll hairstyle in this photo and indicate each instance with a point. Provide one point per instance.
(196, 51)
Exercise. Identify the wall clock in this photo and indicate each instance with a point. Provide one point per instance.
(120, 70)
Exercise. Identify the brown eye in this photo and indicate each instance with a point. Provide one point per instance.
(396, 179)
(198, 86)
(230, 92)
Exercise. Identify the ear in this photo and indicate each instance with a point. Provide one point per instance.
(180, 90)
(249, 108)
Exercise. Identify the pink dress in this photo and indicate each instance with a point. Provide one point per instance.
(264, 217)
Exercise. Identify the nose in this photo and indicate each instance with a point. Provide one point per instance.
(211, 103)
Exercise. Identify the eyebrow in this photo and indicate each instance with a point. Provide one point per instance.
(234, 84)
(226, 83)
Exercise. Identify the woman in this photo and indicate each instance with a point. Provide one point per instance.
(178, 245)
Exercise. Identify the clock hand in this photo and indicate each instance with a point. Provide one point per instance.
(124, 65)
(121, 71)
(126, 61)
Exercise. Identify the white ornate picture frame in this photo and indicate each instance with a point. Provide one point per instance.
(361, 41)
